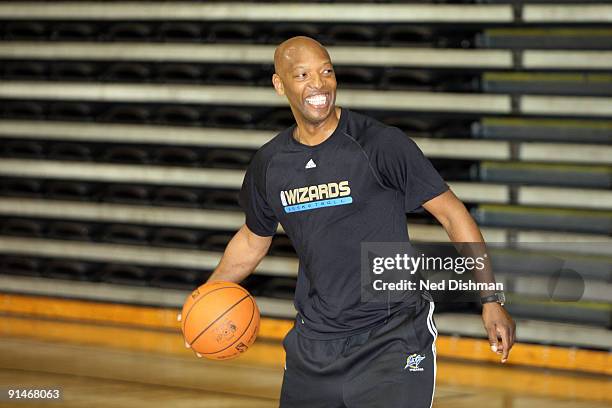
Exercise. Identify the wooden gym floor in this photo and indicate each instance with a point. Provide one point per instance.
(115, 355)
(95, 377)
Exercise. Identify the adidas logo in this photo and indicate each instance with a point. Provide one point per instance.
(310, 165)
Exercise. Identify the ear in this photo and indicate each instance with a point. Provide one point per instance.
(278, 85)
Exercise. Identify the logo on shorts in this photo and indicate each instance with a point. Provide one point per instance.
(413, 361)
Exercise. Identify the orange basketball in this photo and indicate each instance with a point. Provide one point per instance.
(220, 320)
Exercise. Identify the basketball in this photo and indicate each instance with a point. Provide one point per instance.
(220, 320)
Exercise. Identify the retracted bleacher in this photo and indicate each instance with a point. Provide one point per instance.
(126, 128)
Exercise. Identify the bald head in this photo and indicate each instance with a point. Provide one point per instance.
(304, 74)
(287, 53)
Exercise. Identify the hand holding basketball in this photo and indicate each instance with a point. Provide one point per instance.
(220, 320)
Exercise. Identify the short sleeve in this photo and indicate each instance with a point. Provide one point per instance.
(259, 216)
(401, 165)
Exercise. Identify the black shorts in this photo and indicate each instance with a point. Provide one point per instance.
(392, 365)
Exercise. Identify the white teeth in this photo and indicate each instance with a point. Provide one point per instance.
(317, 100)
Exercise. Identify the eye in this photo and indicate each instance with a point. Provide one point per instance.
(301, 75)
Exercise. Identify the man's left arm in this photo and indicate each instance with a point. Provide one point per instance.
(461, 227)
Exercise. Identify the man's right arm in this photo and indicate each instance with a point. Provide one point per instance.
(242, 254)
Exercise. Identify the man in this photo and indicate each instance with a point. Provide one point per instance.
(334, 180)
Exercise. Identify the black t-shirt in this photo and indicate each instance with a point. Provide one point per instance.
(356, 186)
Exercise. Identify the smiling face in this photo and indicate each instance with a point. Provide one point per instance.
(305, 75)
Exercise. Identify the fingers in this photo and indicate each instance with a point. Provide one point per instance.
(187, 345)
(505, 335)
(493, 339)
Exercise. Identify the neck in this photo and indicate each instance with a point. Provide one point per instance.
(312, 134)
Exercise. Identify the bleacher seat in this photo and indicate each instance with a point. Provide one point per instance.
(71, 190)
(180, 31)
(70, 151)
(30, 70)
(79, 71)
(127, 114)
(569, 220)
(175, 237)
(126, 154)
(545, 38)
(67, 269)
(74, 31)
(221, 200)
(180, 115)
(18, 265)
(70, 111)
(216, 241)
(124, 274)
(24, 148)
(23, 109)
(232, 75)
(79, 231)
(565, 130)
(130, 31)
(276, 120)
(21, 187)
(545, 174)
(126, 234)
(282, 31)
(176, 196)
(26, 30)
(119, 193)
(231, 32)
(21, 227)
(230, 117)
(566, 312)
(356, 77)
(181, 156)
(224, 158)
(128, 72)
(190, 73)
(182, 279)
(547, 83)
(352, 34)
(405, 34)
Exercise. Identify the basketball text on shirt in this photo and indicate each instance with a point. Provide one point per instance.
(316, 196)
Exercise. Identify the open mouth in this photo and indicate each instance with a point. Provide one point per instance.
(318, 101)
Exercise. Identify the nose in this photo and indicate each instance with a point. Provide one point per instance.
(317, 81)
